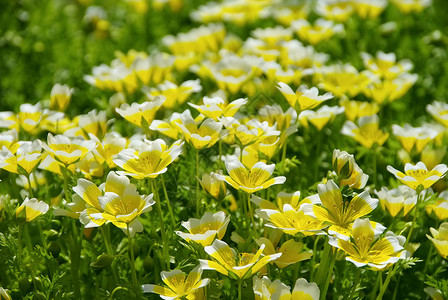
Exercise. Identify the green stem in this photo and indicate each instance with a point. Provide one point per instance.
(313, 260)
(132, 260)
(41, 235)
(170, 209)
(321, 271)
(162, 225)
(220, 154)
(415, 208)
(249, 208)
(357, 280)
(75, 260)
(118, 288)
(375, 178)
(323, 294)
(377, 283)
(386, 282)
(198, 204)
(396, 288)
(29, 185)
(239, 289)
(109, 249)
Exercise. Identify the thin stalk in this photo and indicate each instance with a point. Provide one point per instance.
(321, 271)
(357, 280)
(162, 224)
(375, 178)
(396, 288)
(386, 282)
(132, 259)
(170, 209)
(377, 284)
(30, 187)
(19, 239)
(323, 294)
(239, 289)
(75, 260)
(41, 235)
(313, 260)
(408, 238)
(109, 250)
(197, 184)
(249, 208)
(220, 154)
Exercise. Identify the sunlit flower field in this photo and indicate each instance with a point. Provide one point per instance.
(234, 149)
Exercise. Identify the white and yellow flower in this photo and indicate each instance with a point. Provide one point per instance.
(367, 132)
(31, 209)
(402, 198)
(348, 171)
(321, 117)
(137, 113)
(216, 107)
(440, 239)
(418, 175)
(303, 98)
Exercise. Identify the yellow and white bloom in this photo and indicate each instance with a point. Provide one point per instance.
(385, 64)
(440, 239)
(321, 30)
(302, 290)
(411, 137)
(367, 132)
(213, 185)
(109, 147)
(397, 199)
(216, 107)
(205, 230)
(335, 10)
(25, 160)
(30, 116)
(439, 111)
(287, 215)
(31, 209)
(9, 139)
(365, 248)
(256, 178)
(369, 9)
(408, 6)
(94, 122)
(440, 207)
(387, 90)
(303, 98)
(149, 161)
(178, 285)
(418, 175)
(348, 171)
(226, 261)
(357, 109)
(340, 214)
(265, 289)
(175, 95)
(60, 97)
(117, 201)
(137, 113)
(67, 150)
(321, 117)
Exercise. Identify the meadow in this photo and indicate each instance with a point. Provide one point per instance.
(237, 149)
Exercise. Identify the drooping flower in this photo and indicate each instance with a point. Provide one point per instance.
(137, 113)
(256, 178)
(303, 98)
(60, 97)
(31, 209)
(357, 109)
(338, 213)
(348, 171)
(414, 137)
(440, 239)
(226, 261)
(365, 248)
(151, 160)
(292, 251)
(178, 285)
(205, 230)
(67, 150)
(287, 215)
(397, 199)
(418, 175)
(367, 133)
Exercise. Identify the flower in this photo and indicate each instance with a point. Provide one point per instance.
(321, 30)
(367, 133)
(418, 175)
(117, 201)
(357, 109)
(179, 286)
(214, 186)
(408, 6)
(397, 199)
(388, 90)
(227, 262)
(338, 11)
(321, 117)
(151, 160)
(290, 250)
(414, 137)
(385, 64)
(369, 9)
(174, 95)
(287, 215)
(203, 135)
(205, 230)
(25, 160)
(31, 209)
(303, 98)
(265, 289)
(138, 113)
(440, 207)
(338, 213)
(250, 181)
(111, 145)
(216, 107)
(60, 97)
(92, 123)
(67, 150)
(440, 239)
(439, 111)
(30, 117)
(348, 171)
(366, 248)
